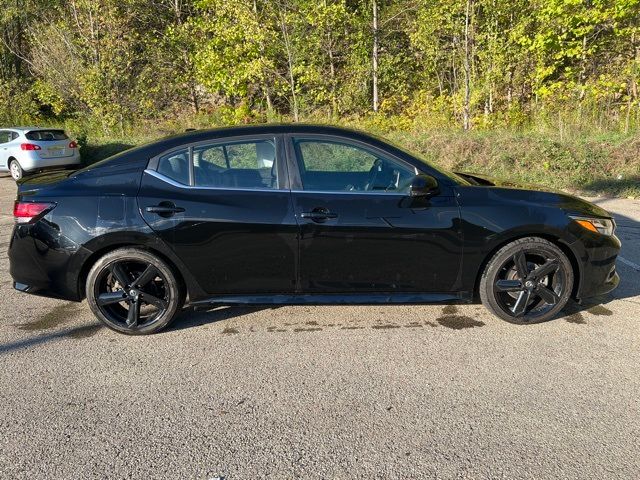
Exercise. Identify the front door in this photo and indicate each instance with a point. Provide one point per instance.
(224, 207)
(5, 137)
(359, 229)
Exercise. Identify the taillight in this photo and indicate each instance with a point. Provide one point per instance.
(26, 212)
(29, 146)
(73, 144)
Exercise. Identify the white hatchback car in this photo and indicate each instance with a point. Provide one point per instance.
(29, 149)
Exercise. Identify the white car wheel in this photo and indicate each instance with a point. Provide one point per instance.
(16, 170)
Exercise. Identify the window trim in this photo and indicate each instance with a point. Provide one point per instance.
(280, 159)
(295, 167)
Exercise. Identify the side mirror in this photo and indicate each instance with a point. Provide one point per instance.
(423, 185)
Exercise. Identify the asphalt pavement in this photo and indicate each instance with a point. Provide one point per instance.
(323, 392)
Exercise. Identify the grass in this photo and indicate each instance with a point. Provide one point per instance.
(593, 163)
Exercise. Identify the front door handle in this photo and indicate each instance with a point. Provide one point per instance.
(319, 214)
(164, 209)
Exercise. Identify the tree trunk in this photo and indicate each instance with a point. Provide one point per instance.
(265, 82)
(466, 115)
(375, 56)
(292, 82)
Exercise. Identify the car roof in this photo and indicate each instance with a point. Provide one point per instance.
(194, 136)
(30, 129)
(266, 128)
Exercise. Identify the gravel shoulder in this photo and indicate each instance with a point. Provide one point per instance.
(323, 392)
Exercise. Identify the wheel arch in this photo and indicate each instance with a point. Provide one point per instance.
(97, 254)
(556, 240)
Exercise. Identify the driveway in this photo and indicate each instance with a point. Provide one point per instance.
(323, 392)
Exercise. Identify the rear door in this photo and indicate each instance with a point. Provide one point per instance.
(359, 229)
(224, 207)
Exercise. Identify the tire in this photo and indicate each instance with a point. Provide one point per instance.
(527, 281)
(133, 291)
(16, 170)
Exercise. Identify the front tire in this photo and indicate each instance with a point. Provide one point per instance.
(527, 281)
(16, 170)
(133, 291)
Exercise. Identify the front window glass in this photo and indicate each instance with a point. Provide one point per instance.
(248, 164)
(335, 166)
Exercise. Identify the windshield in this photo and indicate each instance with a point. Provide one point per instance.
(456, 178)
(46, 135)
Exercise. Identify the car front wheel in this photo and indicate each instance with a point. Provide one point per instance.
(527, 281)
(133, 291)
(16, 170)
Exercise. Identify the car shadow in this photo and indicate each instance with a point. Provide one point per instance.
(191, 317)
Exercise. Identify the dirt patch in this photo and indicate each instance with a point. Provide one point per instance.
(450, 310)
(576, 318)
(58, 315)
(459, 322)
(600, 311)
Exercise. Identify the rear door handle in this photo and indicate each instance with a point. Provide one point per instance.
(319, 214)
(165, 209)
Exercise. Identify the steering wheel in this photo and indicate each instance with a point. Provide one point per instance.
(373, 174)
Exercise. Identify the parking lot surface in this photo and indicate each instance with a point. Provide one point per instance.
(323, 392)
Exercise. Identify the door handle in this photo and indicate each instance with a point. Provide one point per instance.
(165, 209)
(319, 214)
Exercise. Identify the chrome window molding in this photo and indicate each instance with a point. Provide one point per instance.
(352, 192)
(172, 182)
(168, 180)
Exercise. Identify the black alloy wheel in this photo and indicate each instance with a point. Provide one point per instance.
(133, 291)
(527, 281)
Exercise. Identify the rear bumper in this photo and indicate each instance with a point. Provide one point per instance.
(39, 261)
(31, 163)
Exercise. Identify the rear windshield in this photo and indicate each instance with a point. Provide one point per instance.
(46, 135)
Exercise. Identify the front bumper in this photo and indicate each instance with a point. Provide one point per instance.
(597, 257)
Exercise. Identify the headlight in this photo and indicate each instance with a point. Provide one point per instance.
(604, 226)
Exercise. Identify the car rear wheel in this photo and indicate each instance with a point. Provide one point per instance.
(527, 281)
(133, 291)
(16, 170)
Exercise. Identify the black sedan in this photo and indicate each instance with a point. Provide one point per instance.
(300, 214)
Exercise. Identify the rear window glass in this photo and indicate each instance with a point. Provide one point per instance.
(46, 135)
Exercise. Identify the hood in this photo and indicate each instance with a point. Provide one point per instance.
(538, 194)
(489, 181)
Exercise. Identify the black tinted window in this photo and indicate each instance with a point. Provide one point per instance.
(249, 164)
(5, 136)
(334, 166)
(46, 135)
(175, 165)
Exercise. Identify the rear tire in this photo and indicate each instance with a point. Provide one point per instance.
(527, 281)
(133, 291)
(16, 170)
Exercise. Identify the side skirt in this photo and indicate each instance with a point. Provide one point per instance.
(336, 299)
